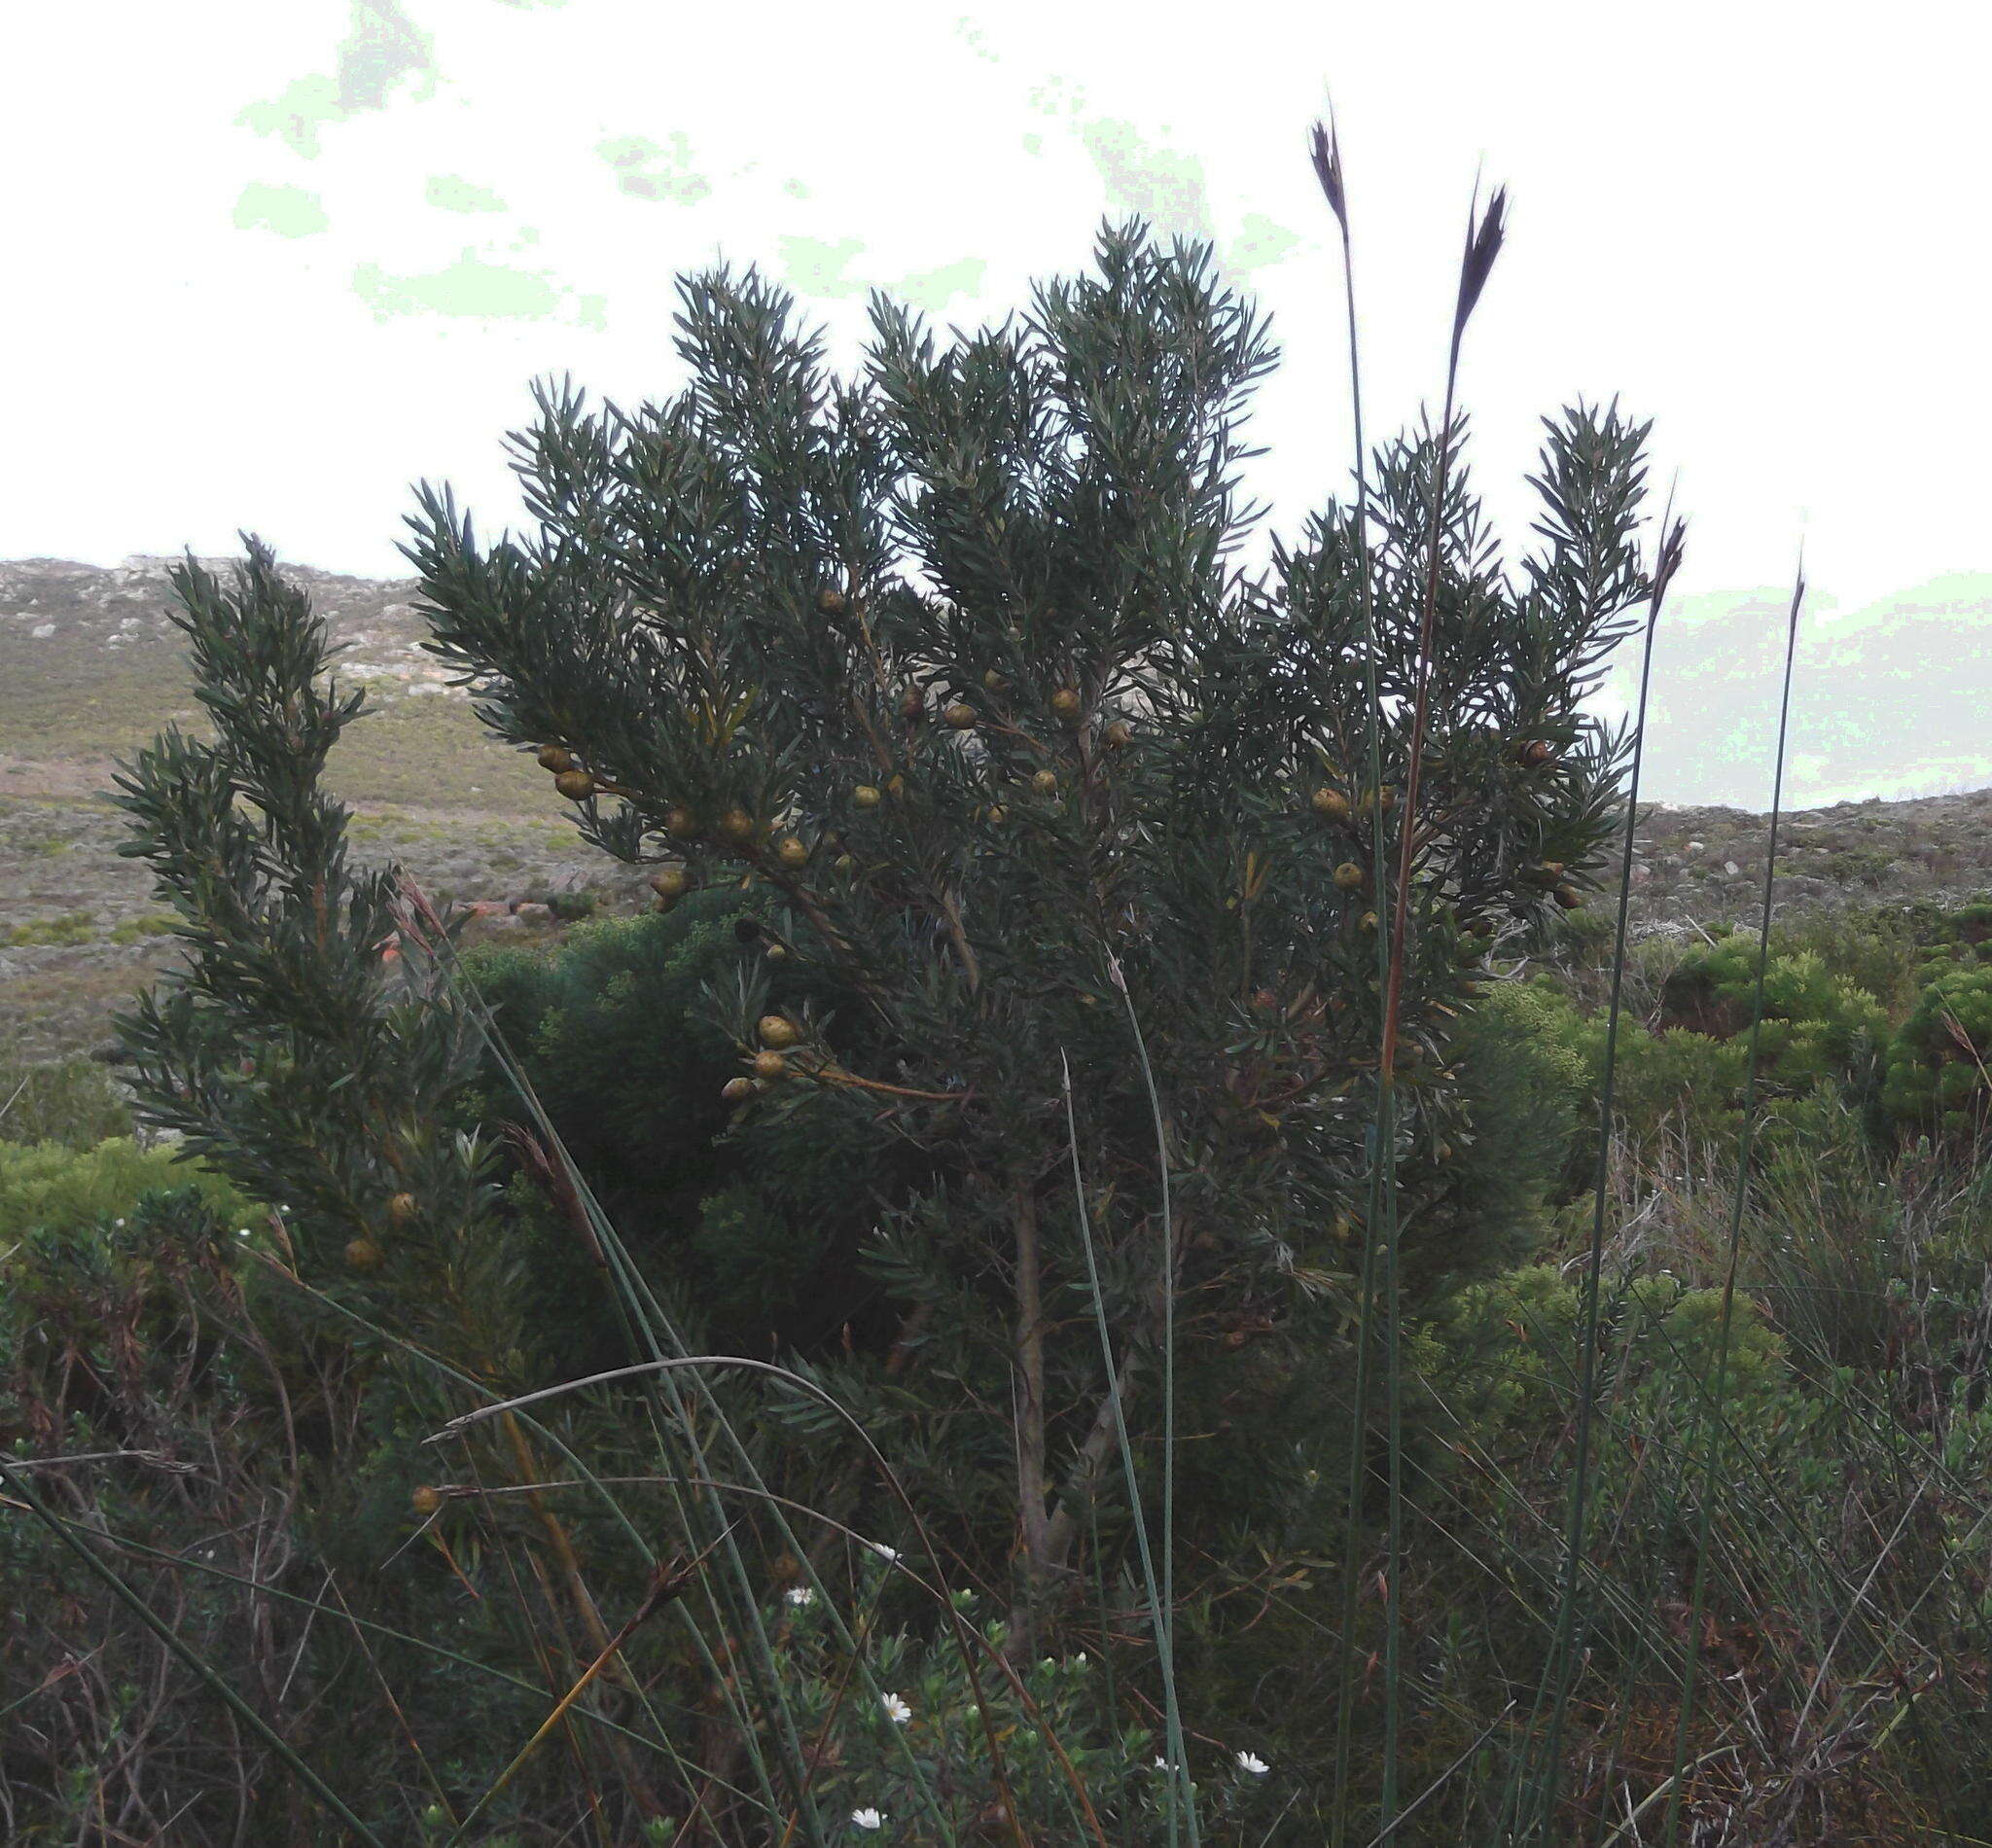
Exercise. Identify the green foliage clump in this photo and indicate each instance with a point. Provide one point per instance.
(753, 1220)
(1936, 1062)
(1817, 1027)
(72, 1101)
(51, 1190)
(65, 931)
(1514, 1345)
(135, 930)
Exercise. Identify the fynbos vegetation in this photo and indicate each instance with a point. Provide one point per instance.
(1129, 1252)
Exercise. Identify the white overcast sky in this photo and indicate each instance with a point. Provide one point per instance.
(277, 259)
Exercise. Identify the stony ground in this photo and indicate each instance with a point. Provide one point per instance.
(91, 669)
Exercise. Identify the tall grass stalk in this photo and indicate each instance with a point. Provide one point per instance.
(1327, 158)
(1482, 245)
(1745, 1139)
(1569, 1621)
(1327, 154)
(1165, 1635)
(1182, 1798)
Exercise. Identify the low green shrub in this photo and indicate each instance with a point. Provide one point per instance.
(68, 1101)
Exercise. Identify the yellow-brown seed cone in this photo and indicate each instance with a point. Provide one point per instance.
(737, 1090)
(425, 1501)
(576, 785)
(1332, 804)
(864, 795)
(831, 602)
(1046, 783)
(770, 1066)
(1569, 896)
(737, 825)
(402, 1208)
(792, 852)
(1350, 876)
(680, 823)
(1066, 704)
(961, 716)
(777, 1030)
(362, 1254)
(670, 882)
(556, 756)
(1119, 735)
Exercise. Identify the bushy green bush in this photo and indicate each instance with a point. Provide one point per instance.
(1936, 1062)
(752, 1219)
(51, 1191)
(1817, 1027)
(71, 1101)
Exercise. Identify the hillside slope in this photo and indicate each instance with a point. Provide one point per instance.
(91, 667)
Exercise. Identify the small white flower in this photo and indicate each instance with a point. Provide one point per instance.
(867, 1818)
(1163, 1764)
(241, 1231)
(117, 1222)
(896, 1710)
(799, 1596)
(887, 1553)
(1255, 1767)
